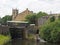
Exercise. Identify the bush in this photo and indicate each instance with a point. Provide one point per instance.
(51, 32)
(52, 19)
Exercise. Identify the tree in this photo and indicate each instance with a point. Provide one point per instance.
(59, 17)
(31, 18)
(6, 18)
(52, 19)
(0, 20)
(40, 14)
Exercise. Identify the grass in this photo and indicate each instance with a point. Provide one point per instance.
(31, 36)
(4, 39)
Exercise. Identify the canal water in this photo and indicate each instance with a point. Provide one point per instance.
(28, 42)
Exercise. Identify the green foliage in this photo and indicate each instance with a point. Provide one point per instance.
(31, 18)
(31, 36)
(40, 14)
(0, 20)
(59, 17)
(52, 19)
(51, 32)
(6, 18)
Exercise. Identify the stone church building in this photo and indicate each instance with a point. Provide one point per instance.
(16, 16)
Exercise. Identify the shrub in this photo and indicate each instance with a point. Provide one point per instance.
(51, 32)
(52, 19)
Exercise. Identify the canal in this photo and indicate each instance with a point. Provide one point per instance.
(28, 42)
(19, 30)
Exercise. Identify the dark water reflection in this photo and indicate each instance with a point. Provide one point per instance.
(26, 42)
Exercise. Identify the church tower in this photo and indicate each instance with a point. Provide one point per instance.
(14, 13)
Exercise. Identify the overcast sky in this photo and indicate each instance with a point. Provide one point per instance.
(33, 5)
